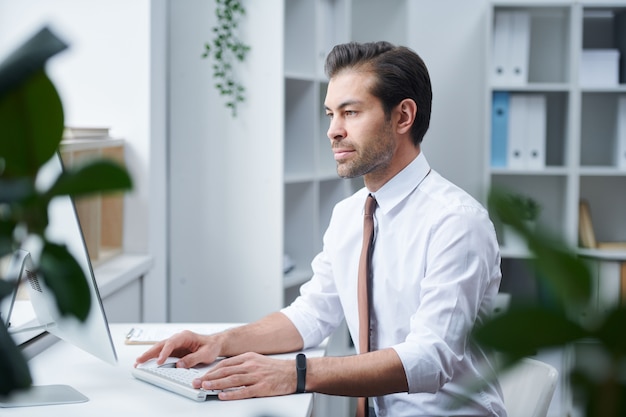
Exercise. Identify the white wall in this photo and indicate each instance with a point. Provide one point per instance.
(226, 173)
(450, 36)
(104, 79)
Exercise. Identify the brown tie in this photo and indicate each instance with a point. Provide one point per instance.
(363, 290)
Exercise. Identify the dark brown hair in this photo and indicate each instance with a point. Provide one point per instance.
(400, 74)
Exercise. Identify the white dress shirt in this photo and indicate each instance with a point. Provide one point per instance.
(436, 271)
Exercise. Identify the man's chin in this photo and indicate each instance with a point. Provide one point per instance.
(346, 174)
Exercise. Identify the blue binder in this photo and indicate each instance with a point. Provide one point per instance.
(499, 127)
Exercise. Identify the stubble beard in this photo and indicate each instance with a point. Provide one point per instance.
(372, 157)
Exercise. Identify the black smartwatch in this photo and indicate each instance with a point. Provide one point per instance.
(301, 371)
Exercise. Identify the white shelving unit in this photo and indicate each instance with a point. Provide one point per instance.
(580, 125)
(580, 133)
(311, 184)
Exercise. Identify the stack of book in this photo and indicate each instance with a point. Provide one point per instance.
(85, 133)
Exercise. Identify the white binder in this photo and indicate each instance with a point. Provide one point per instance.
(620, 139)
(511, 43)
(519, 48)
(516, 149)
(501, 42)
(536, 131)
(527, 132)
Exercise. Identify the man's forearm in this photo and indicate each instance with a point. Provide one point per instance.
(371, 374)
(274, 333)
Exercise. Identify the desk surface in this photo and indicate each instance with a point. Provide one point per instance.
(112, 390)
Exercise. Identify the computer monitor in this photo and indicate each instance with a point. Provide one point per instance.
(92, 335)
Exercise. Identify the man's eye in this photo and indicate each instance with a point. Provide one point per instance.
(329, 115)
(350, 112)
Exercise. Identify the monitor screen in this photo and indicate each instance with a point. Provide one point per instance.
(92, 335)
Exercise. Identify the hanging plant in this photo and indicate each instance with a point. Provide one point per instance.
(225, 49)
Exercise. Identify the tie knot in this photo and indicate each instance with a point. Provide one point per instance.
(370, 205)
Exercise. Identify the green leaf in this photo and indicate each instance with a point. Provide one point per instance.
(31, 117)
(612, 331)
(6, 287)
(97, 176)
(14, 373)
(33, 214)
(16, 189)
(64, 276)
(6, 236)
(566, 273)
(29, 58)
(521, 331)
(505, 205)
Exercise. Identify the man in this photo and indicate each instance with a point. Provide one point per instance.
(435, 265)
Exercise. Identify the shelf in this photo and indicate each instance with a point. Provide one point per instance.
(548, 171)
(101, 217)
(120, 271)
(300, 76)
(581, 129)
(297, 277)
(621, 88)
(604, 171)
(514, 253)
(535, 87)
(603, 254)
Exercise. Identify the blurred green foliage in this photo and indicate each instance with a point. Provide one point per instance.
(571, 317)
(31, 129)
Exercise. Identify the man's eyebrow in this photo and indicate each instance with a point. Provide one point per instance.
(345, 104)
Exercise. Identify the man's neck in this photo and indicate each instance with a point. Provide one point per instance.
(403, 157)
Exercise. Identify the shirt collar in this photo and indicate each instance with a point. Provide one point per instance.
(402, 184)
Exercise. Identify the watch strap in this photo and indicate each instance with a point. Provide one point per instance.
(301, 373)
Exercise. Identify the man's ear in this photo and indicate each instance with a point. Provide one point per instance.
(407, 111)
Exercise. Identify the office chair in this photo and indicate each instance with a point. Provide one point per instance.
(528, 388)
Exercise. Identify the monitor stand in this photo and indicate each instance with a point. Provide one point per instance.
(38, 394)
(42, 395)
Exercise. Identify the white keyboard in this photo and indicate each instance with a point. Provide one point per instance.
(177, 380)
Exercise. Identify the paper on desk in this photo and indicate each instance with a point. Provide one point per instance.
(152, 335)
(142, 336)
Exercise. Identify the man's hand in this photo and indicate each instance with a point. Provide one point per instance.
(190, 347)
(252, 375)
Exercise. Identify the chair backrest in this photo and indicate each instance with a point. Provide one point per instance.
(528, 388)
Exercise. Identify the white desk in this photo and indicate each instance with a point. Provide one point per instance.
(113, 391)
